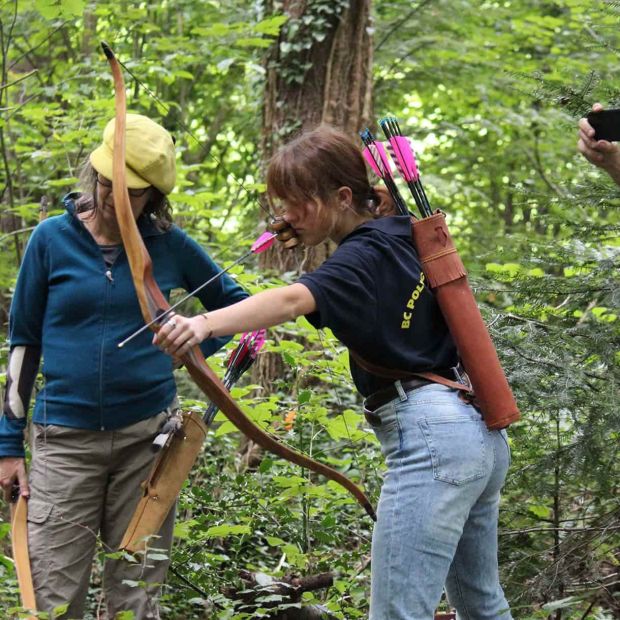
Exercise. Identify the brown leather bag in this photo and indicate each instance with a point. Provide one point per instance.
(162, 487)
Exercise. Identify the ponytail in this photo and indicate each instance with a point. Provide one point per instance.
(381, 202)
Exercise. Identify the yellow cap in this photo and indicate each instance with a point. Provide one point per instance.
(149, 154)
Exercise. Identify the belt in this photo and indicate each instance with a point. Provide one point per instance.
(385, 395)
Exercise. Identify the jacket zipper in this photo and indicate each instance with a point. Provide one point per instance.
(108, 292)
(108, 289)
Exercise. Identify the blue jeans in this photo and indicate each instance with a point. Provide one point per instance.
(438, 511)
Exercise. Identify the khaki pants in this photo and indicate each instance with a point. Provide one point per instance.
(86, 484)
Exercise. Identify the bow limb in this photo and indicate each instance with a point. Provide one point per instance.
(152, 303)
(21, 557)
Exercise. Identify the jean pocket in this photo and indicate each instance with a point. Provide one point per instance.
(456, 446)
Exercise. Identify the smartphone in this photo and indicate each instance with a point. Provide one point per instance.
(606, 124)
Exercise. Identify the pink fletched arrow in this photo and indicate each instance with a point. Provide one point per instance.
(377, 158)
(240, 360)
(245, 354)
(263, 243)
(407, 169)
(404, 158)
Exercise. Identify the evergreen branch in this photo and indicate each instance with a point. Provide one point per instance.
(402, 21)
(18, 80)
(32, 49)
(559, 529)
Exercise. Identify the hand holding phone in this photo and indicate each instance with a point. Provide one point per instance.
(599, 140)
(606, 125)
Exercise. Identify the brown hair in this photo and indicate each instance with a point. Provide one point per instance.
(158, 205)
(317, 163)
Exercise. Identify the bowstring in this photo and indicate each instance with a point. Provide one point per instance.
(185, 128)
(354, 457)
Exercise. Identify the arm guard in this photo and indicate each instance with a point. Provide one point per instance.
(21, 374)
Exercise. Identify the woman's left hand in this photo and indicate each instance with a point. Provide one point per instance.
(179, 334)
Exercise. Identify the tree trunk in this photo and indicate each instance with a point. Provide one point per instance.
(319, 71)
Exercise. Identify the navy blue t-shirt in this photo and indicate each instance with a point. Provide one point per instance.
(372, 294)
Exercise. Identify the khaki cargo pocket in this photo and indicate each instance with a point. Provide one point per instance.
(39, 512)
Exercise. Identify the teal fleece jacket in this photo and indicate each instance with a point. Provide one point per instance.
(76, 310)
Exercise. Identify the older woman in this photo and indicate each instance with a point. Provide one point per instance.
(101, 406)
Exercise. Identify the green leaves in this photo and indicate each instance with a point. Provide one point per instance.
(50, 9)
(272, 25)
(221, 531)
(543, 512)
(238, 32)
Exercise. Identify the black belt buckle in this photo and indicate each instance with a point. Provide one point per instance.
(387, 394)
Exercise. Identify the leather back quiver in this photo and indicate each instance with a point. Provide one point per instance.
(447, 277)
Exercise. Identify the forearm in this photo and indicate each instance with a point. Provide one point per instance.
(177, 335)
(21, 374)
(264, 309)
(613, 170)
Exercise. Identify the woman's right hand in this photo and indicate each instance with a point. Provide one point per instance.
(13, 473)
(286, 233)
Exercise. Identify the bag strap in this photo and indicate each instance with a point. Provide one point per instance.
(395, 375)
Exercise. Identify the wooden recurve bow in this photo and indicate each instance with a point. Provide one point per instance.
(21, 556)
(152, 303)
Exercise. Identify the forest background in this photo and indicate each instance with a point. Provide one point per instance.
(490, 93)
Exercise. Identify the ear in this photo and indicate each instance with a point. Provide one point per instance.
(345, 197)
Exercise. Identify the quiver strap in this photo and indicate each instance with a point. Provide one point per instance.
(447, 277)
(398, 375)
(162, 487)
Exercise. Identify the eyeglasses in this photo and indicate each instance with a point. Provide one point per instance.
(133, 193)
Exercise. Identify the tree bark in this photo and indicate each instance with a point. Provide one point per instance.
(319, 71)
